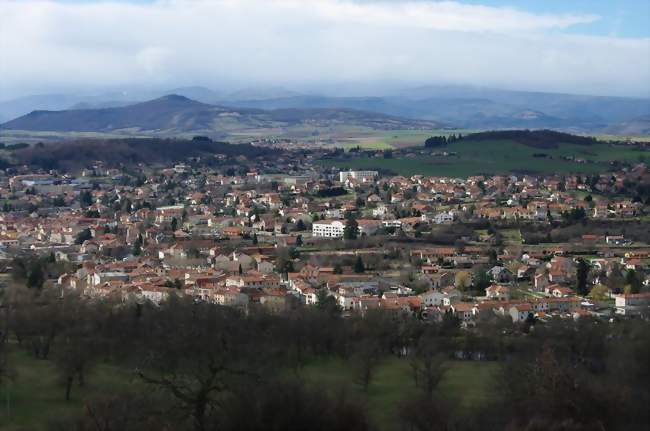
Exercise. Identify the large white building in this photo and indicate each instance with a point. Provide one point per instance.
(328, 228)
(362, 176)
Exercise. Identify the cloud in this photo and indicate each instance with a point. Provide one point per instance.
(51, 46)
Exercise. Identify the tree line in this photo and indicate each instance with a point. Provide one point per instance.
(200, 366)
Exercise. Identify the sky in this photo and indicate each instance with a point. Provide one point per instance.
(580, 46)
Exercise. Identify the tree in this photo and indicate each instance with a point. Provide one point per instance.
(632, 281)
(255, 241)
(351, 230)
(582, 274)
(199, 354)
(83, 236)
(76, 347)
(365, 360)
(462, 280)
(85, 199)
(137, 246)
(326, 302)
(493, 257)
(481, 280)
(300, 225)
(428, 365)
(36, 276)
(338, 269)
(598, 292)
(359, 267)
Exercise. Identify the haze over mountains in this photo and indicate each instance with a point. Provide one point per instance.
(176, 114)
(454, 106)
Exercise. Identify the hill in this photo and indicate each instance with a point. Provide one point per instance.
(73, 155)
(174, 114)
(500, 152)
(634, 127)
(531, 138)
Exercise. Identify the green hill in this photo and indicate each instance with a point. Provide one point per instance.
(501, 153)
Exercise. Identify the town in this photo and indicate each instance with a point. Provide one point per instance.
(531, 248)
(324, 215)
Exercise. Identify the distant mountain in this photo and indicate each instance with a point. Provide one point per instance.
(174, 114)
(634, 127)
(459, 105)
(10, 109)
(257, 93)
(480, 108)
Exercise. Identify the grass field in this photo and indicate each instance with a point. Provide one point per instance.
(383, 140)
(466, 383)
(35, 396)
(644, 138)
(495, 157)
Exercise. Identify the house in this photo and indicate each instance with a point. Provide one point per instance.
(498, 292)
(368, 227)
(633, 304)
(560, 291)
(432, 297)
(463, 310)
(520, 312)
(451, 295)
(540, 282)
(500, 274)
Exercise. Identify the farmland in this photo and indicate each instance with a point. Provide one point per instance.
(497, 157)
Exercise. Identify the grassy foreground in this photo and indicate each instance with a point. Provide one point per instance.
(466, 384)
(35, 396)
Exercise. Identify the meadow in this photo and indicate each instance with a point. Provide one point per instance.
(35, 396)
(499, 157)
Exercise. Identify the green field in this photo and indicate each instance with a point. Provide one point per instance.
(35, 396)
(643, 138)
(496, 157)
(466, 383)
(383, 140)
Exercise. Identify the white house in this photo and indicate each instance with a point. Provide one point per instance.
(444, 217)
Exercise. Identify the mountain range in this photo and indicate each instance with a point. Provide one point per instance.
(176, 114)
(457, 106)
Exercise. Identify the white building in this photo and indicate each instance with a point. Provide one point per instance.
(328, 228)
(444, 217)
(361, 176)
(633, 303)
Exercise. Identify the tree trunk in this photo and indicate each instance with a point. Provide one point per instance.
(68, 387)
(82, 379)
(199, 413)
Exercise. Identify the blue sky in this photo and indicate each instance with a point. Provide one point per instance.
(573, 46)
(623, 18)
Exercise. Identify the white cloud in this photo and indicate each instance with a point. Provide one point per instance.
(49, 46)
